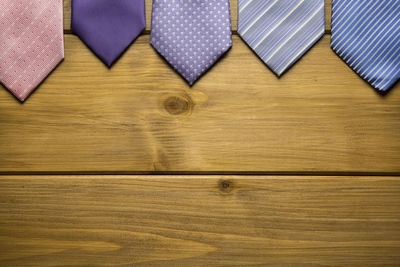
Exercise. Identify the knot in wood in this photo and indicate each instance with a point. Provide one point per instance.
(226, 186)
(177, 105)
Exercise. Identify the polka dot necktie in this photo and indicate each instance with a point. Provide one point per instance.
(281, 32)
(108, 27)
(31, 43)
(192, 34)
(366, 35)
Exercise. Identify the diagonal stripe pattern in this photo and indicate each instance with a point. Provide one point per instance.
(281, 31)
(366, 35)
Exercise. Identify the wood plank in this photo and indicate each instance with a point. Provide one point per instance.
(234, 5)
(140, 116)
(199, 221)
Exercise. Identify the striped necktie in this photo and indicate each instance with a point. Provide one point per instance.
(366, 35)
(281, 32)
(31, 43)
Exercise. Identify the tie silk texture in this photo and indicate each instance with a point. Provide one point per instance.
(281, 32)
(108, 27)
(366, 35)
(191, 34)
(31, 43)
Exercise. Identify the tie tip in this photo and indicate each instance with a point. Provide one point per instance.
(191, 81)
(108, 62)
(20, 97)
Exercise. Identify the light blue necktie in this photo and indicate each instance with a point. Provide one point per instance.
(281, 31)
(366, 35)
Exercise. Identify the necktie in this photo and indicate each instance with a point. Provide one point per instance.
(108, 27)
(31, 43)
(281, 31)
(192, 34)
(366, 35)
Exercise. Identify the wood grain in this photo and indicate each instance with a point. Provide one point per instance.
(234, 17)
(199, 221)
(140, 116)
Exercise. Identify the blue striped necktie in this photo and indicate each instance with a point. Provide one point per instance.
(281, 31)
(366, 35)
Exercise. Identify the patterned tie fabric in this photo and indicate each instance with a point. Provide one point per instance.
(108, 27)
(192, 34)
(31, 43)
(366, 35)
(281, 32)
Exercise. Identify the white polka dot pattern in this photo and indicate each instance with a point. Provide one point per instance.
(191, 34)
(31, 43)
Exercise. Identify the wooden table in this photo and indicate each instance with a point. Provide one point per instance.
(130, 166)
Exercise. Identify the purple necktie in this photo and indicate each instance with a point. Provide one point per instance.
(108, 27)
(191, 34)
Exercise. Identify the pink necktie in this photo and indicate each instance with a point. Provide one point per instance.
(31, 43)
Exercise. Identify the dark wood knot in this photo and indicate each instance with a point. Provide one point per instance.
(177, 105)
(226, 186)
